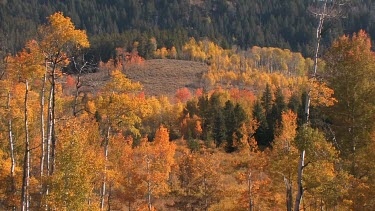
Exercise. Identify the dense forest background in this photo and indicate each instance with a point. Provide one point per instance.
(241, 116)
(116, 23)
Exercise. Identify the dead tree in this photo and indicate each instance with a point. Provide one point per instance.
(323, 10)
(80, 68)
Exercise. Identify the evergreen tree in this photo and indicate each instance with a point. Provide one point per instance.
(262, 135)
(219, 131)
(230, 124)
(267, 101)
(204, 113)
(294, 103)
(278, 107)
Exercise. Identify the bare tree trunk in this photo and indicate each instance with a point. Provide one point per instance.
(78, 84)
(49, 133)
(42, 129)
(11, 148)
(48, 143)
(249, 183)
(301, 165)
(52, 120)
(26, 166)
(103, 192)
(289, 195)
(109, 197)
(76, 93)
(148, 184)
(322, 16)
(43, 189)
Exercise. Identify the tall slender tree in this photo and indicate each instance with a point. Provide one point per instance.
(323, 10)
(58, 38)
(350, 69)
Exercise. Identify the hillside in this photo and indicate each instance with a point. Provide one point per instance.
(164, 76)
(111, 24)
(159, 77)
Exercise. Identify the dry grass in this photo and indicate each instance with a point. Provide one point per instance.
(159, 77)
(165, 76)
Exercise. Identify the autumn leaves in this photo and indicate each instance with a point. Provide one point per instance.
(233, 149)
(24, 82)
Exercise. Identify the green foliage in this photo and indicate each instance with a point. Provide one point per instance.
(279, 106)
(222, 122)
(119, 23)
(218, 128)
(267, 100)
(350, 69)
(262, 136)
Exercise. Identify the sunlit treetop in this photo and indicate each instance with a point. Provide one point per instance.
(59, 36)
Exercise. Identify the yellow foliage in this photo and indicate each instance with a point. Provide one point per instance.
(59, 36)
(120, 84)
(27, 64)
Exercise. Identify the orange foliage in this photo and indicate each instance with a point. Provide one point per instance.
(321, 94)
(127, 58)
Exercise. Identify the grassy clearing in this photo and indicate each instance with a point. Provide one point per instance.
(165, 76)
(159, 77)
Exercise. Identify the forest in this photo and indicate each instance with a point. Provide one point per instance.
(286, 24)
(270, 127)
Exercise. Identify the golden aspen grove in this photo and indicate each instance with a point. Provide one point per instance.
(258, 130)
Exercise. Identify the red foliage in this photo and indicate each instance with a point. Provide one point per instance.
(129, 57)
(249, 95)
(70, 82)
(237, 94)
(141, 95)
(199, 92)
(134, 58)
(183, 95)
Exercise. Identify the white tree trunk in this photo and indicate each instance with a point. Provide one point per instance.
(42, 129)
(299, 182)
(322, 15)
(49, 133)
(11, 144)
(26, 166)
(11, 149)
(148, 184)
(104, 182)
(52, 121)
(316, 55)
(250, 185)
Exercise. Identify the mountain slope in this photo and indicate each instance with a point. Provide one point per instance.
(284, 24)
